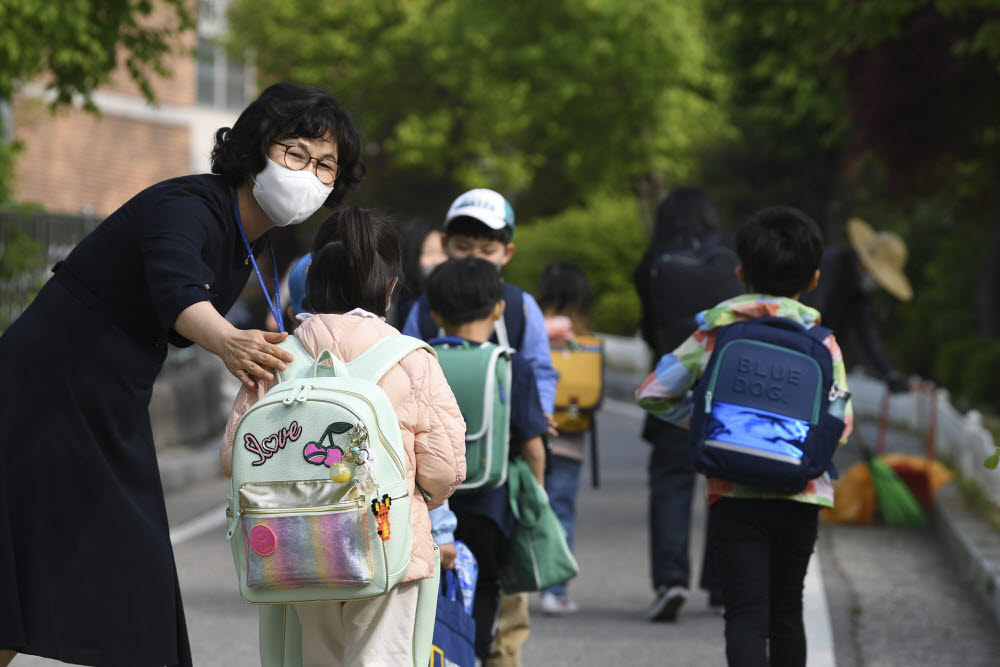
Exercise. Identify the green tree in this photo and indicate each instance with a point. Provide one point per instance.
(884, 110)
(546, 102)
(607, 242)
(73, 47)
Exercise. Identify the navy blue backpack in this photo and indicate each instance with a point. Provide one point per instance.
(761, 413)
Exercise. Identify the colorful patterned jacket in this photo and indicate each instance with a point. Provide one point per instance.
(666, 393)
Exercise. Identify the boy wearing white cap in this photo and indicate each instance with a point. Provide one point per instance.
(480, 223)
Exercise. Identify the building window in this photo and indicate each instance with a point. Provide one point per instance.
(222, 81)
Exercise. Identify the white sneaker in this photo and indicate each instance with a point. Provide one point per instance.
(668, 602)
(553, 605)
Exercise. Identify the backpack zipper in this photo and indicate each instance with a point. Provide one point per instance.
(350, 504)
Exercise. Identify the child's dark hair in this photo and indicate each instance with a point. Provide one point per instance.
(411, 240)
(355, 259)
(464, 289)
(282, 111)
(563, 290)
(780, 249)
(684, 218)
(477, 229)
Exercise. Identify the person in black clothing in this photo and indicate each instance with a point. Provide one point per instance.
(686, 269)
(849, 277)
(466, 298)
(87, 572)
(423, 249)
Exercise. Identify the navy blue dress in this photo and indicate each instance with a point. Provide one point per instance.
(87, 572)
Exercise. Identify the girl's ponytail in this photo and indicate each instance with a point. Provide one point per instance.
(356, 260)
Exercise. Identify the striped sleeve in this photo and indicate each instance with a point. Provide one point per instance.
(840, 378)
(666, 393)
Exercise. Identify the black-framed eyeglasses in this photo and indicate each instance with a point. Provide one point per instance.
(298, 158)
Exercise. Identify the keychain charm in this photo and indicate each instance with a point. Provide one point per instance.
(381, 510)
(364, 480)
(340, 473)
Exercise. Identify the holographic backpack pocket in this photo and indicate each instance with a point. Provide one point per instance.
(305, 534)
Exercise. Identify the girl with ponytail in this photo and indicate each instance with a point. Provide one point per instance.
(355, 265)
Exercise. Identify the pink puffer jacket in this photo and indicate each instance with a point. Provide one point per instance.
(429, 419)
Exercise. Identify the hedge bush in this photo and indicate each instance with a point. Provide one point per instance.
(605, 238)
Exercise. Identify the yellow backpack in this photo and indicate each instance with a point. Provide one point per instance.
(580, 364)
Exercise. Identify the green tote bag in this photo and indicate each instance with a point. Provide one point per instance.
(539, 557)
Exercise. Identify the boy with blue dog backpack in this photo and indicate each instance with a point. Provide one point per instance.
(768, 409)
(466, 298)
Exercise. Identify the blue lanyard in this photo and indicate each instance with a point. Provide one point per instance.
(275, 306)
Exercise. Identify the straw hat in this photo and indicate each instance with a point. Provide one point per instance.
(884, 255)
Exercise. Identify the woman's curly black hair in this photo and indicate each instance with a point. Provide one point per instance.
(282, 111)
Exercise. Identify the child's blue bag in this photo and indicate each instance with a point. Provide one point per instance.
(467, 571)
(454, 629)
(761, 414)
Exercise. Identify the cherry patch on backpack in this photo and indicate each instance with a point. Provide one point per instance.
(318, 454)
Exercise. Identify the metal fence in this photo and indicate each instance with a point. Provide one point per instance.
(30, 244)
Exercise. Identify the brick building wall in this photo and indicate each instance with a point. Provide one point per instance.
(74, 160)
(180, 88)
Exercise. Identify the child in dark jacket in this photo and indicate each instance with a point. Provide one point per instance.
(764, 539)
(466, 298)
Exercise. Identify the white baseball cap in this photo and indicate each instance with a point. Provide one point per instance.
(487, 206)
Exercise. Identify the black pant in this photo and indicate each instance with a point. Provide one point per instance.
(764, 548)
(487, 544)
(671, 488)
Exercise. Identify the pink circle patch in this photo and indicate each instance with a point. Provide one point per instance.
(263, 540)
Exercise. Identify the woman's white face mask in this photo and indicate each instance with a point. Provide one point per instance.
(288, 197)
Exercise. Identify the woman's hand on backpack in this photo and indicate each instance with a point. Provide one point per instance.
(251, 354)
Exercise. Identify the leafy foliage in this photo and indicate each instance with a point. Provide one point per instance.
(75, 45)
(22, 260)
(545, 102)
(881, 110)
(607, 242)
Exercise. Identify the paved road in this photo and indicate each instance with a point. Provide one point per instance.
(892, 597)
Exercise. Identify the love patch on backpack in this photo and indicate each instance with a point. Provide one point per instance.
(270, 445)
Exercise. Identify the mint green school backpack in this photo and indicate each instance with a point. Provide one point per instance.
(479, 376)
(318, 504)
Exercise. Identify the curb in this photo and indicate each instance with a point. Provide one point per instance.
(973, 543)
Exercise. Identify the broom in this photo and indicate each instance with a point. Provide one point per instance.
(896, 503)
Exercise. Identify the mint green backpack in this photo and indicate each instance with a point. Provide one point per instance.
(318, 505)
(479, 376)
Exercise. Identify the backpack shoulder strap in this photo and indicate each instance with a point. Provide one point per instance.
(513, 316)
(385, 354)
(819, 333)
(425, 322)
(303, 361)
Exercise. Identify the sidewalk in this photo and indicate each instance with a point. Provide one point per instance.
(974, 544)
